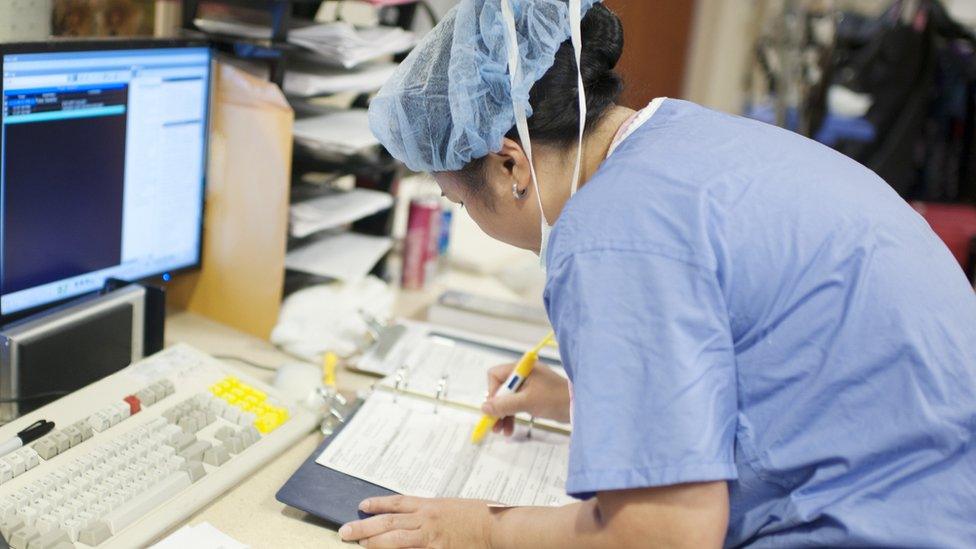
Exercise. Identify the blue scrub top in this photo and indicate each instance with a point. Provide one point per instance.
(734, 301)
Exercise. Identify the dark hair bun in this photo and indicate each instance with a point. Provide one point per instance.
(554, 97)
(603, 38)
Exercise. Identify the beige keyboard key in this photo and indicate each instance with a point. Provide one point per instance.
(146, 397)
(216, 456)
(195, 451)
(46, 448)
(95, 533)
(31, 459)
(23, 537)
(73, 434)
(50, 540)
(11, 525)
(16, 463)
(6, 471)
(84, 428)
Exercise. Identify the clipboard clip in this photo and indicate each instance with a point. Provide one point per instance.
(441, 392)
(382, 334)
(334, 407)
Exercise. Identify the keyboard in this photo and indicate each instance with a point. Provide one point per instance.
(138, 452)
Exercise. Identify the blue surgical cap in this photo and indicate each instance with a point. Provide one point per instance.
(451, 100)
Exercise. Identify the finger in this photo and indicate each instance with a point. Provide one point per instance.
(500, 424)
(506, 405)
(497, 375)
(378, 524)
(389, 504)
(395, 539)
(508, 426)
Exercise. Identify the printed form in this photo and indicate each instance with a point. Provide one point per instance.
(464, 368)
(403, 444)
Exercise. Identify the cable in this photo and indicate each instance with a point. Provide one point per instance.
(246, 361)
(46, 394)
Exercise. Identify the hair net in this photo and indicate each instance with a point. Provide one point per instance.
(451, 100)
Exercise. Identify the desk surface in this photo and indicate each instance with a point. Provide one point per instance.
(249, 512)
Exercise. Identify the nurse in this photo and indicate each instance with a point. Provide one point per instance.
(766, 345)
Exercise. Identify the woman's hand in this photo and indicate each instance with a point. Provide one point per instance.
(403, 521)
(544, 394)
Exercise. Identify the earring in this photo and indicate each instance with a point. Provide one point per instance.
(515, 192)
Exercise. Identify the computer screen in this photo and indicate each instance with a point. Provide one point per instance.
(102, 168)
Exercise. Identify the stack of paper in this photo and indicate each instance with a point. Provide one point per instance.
(339, 42)
(349, 46)
(308, 79)
(346, 256)
(233, 28)
(343, 132)
(335, 210)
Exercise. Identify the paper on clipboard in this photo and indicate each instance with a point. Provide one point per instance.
(385, 360)
(410, 447)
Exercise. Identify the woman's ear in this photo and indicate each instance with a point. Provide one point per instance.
(509, 166)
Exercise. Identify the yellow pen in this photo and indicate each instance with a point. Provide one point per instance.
(329, 362)
(511, 385)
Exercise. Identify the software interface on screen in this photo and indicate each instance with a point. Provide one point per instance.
(101, 169)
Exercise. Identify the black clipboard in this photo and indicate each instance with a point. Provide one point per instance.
(327, 493)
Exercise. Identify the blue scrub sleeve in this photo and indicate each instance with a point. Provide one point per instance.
(646, 341)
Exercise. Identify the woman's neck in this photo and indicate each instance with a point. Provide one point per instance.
(555, 167)
(597, 144)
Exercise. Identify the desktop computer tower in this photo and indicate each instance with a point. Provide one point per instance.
(63, 349)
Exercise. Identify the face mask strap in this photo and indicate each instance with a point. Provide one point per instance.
(576, 36)
(515, 75)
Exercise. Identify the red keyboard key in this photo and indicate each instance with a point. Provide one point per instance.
(134, 404)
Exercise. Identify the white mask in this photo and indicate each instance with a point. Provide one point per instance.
(521, 122)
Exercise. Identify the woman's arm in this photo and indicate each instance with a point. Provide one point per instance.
(686, 515)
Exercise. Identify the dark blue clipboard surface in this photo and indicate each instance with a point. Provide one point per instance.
(327, 493)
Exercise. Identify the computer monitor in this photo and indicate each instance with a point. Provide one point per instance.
(102, 165)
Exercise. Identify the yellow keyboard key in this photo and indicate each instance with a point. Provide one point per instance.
(264, 424)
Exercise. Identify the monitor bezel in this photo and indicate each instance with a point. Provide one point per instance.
(115, 44)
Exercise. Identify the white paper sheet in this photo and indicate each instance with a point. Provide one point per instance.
(335, 210)
(343, 132)
(348, 46)
(346, 256)
(464, 368)
(407, 447)
(306, 80)
(199, 536)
